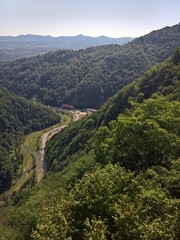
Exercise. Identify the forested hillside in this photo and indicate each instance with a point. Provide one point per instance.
(18, 116)
(12, 48)
(162, 79)
(117, 171)
(87, 78)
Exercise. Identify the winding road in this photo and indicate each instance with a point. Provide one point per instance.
(39, 155)
(40, 162)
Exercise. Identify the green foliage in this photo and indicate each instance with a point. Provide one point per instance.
(74, 140)
(111, 203)
(53, 224)
(176, 57)
(73, 77)
(146, 135)
(18, 117)
(95, 229)
(32, 141)
(164, 79)
(8, 233)
(168, 179)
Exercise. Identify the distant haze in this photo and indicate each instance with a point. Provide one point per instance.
(12, 48)
(113, 18)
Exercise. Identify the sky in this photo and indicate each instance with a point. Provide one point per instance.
(113, 18)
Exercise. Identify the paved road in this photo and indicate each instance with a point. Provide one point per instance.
(40, 163)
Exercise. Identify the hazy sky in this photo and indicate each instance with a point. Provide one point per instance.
(114, 18)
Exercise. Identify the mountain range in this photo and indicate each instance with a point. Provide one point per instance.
(12, 48)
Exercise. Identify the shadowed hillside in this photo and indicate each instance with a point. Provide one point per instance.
(162, 79)
(18, 116)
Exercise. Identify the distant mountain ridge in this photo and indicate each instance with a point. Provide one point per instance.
(80, 37)
(12, 48)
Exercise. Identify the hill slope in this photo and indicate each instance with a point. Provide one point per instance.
(134, 191)
(18, 116)
(162, 79)
(87, 78)
(12, 48)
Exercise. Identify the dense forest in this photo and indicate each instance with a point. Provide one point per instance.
(87, 78)
(112, 175)
(18, 117)
(12, 48)
(162, 79)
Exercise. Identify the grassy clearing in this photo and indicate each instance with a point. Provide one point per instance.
(26, 172)
(32, 141)
(66, 118)
(28, 160)
(22, 180)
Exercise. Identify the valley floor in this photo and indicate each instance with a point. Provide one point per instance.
(33, 151)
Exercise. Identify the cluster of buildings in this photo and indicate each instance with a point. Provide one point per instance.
(71, 107)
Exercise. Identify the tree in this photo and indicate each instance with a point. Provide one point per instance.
(143, 136)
